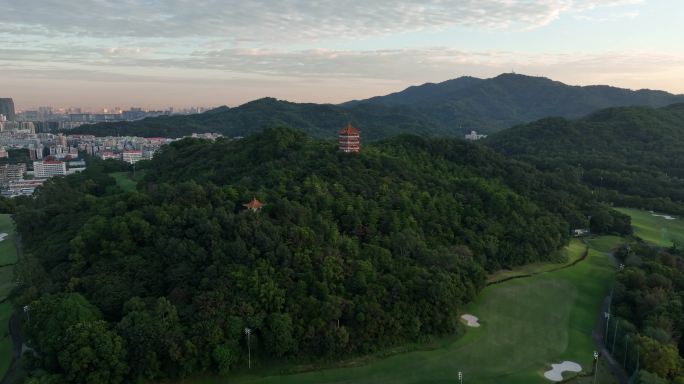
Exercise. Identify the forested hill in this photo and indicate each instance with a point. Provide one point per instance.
(490, 105)
(318, 120)
(350, 253)
(631, 156)
(451, 108)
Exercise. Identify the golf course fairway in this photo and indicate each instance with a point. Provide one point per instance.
(526, 325)
(8, 257)
(659, 229)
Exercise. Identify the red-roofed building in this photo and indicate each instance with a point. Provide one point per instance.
(49, 168)
(349, 139)
(109, 155)
(254, 205)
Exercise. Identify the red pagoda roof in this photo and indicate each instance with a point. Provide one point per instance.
(254, 204)
(349, 130)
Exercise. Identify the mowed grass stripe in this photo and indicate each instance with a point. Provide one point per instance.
(8, 253)
(8, 256)
(655, 229)
(526, 324)
(6, 281)
(5, 339)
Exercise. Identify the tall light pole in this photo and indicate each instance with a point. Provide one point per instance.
(596, 357)
(624, 363)
(638, 359)
(460, 377)
(248, 332)
(26, 311)
(607, 315)
(617, 323)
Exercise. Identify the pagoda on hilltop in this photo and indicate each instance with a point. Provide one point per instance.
(254, 205)
(349, 140)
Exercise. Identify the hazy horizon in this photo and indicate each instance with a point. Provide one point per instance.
(209, 53)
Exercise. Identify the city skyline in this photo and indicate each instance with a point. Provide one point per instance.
(180, 54)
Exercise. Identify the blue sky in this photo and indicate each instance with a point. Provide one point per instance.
(179, 53)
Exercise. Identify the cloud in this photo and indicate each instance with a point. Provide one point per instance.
(290, 48)
(257, 36)
(268, 21)
(235, 76)
(407, 65)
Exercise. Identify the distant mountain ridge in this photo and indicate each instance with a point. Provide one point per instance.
(450, 108)
(501, 102)
(317, 120)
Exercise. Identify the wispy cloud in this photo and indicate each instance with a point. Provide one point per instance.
(267, 21)
(291, 48)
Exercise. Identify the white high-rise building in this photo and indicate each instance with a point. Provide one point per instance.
(49, 168)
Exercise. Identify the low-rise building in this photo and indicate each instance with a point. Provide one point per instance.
(23, 187)
(473, 135)
(11, 172)
(132, 157)
(109, 155)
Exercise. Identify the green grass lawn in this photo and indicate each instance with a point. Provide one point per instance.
(126, 181)
(527, 324)
(572, 253)
(8, 254)
(605, 243)
(604, 376)
(6, 281)
(5, 340)
(655, 229)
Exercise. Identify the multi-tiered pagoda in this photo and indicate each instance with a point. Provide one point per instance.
(349, 139)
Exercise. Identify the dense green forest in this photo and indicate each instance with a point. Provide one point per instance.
(648, 305)
(318, 120)
(491, 105)
(351, 253)
(629, 156)
(451, 108)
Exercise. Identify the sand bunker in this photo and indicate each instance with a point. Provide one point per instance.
(556, 371)
(2, 236)
(471, 320)
(666, 217)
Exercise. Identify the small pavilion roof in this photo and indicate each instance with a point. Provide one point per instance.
(254, 204)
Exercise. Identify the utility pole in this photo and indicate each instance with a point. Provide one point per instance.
(617, 323)
(624, 363)
(248, 332)
(638, 360)
(596, 357)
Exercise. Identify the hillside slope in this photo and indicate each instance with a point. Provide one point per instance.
(501, 102)
(350, 253)
(630, 155)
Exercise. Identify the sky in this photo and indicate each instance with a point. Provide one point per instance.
(161, 53)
